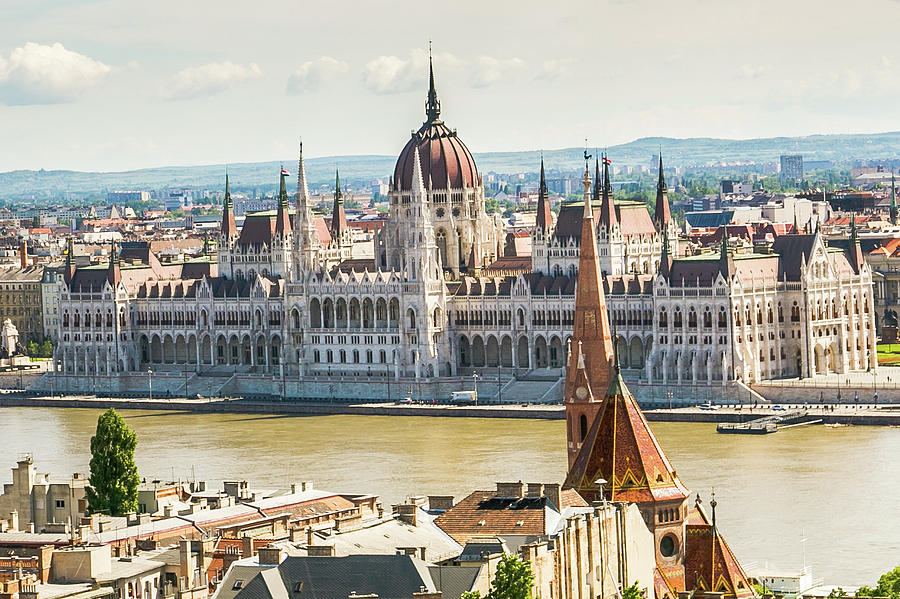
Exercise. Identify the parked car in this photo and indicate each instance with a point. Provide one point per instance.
(779, 408)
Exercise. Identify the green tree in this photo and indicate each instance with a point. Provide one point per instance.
(46, 350)
(114, 477)
(888, 586)
(632, 592)
(32, 348)
(513, 580)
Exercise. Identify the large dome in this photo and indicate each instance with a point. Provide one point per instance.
(445, 158)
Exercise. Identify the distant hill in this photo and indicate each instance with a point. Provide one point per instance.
(359, 170)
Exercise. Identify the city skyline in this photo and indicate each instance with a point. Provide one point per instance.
(94, 85)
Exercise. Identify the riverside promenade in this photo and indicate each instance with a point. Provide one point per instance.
(842, 414)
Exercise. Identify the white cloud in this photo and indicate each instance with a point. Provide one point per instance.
(209, 79)
(312, 73)
(392, 74)
(41, 74)
(488, 71)
(553, 69)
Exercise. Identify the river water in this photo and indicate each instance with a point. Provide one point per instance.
(837, 488)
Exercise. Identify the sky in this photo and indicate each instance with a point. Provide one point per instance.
(105, 85)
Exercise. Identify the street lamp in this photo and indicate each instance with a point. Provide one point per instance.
(600, 482)
(475, 386)
(150, 382)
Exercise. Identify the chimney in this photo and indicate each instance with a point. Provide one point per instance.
(310, 537)
(320, 551)
(168, 511)
(511, 489)
(440, 502)
(535, 490)
(407, 512)
(14, 520)
(246, 547)
(553, 494)
(269, 556)
(23, 254)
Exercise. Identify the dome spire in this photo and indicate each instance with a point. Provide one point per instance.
(432, 105)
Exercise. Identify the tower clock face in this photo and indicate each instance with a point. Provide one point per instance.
(581, 392)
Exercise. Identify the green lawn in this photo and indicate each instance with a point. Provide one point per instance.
(889, 354)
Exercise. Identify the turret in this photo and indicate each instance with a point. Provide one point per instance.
(726, 260)
(338, 217)
(544, 221)
(282, 218)
(607, 208)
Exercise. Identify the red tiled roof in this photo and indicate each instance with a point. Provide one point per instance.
(621, 448)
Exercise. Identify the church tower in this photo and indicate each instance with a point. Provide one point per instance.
(341, 246)
(543, 228)
(591, 353)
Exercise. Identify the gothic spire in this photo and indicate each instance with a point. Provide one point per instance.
(607, 207)
(894, 212)
(663, 212)
(432, 105)
(282, 219)
(338, 217)
(665, 259)
(114, 273)
(544, 218)
(229, 228)
(302, 189)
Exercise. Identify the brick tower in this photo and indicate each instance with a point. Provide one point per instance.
(590, 356)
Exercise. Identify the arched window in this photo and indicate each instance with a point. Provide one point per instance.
(582, 420)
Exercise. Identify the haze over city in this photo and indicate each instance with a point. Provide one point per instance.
(104, 85)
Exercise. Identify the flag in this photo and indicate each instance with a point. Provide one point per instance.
(606, 160)
(284, 173)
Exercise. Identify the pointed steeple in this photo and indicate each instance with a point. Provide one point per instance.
(598, 181)
(338, 217)
(282, 217)
(302, 198)
(855, 252)
(70, 260)
(894, 212)
(607, 207)
(229, 228)
(726, 259)
(663, 213)
(544, 220)
(432, 104)
(621, 449)
(114, 271)
(591, 332)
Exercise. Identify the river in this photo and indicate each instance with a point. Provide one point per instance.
(837, 488)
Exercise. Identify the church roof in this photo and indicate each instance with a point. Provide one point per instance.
(621, 448)
(633, 217)
(258, 229)
(709, 563)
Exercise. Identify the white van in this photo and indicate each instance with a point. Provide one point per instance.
(464, 397)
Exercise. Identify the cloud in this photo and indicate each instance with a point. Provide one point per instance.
(312, 73)
(393, 75)
(488, 71)
(41, 74)
(209, 79)
(553, 69)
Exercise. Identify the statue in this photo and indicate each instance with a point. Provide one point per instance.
(9, 337)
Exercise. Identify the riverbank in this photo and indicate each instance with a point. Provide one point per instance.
(869, 415)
